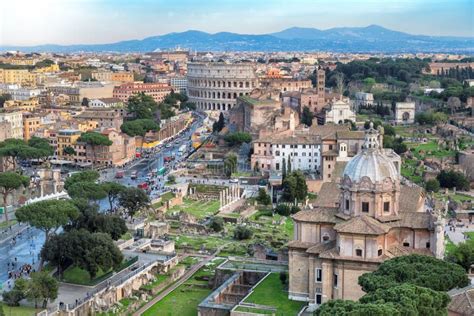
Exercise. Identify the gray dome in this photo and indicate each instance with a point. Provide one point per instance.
(372, 164)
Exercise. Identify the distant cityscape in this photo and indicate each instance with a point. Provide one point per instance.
(303, 172)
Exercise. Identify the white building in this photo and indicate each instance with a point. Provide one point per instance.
(303, 150)
(338, 112)
(106, 103)
(363, 99)
(180, 84)
(15, 118)
(18, 93)
(405, 112)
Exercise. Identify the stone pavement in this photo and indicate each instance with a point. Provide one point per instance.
(457, 235)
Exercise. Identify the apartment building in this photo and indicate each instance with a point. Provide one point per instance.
(15, 118)
(158, 91)
(18, 76)
(105, 118)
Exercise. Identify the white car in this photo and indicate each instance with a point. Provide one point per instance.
(234, 180)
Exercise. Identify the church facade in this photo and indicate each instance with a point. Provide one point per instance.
(366, 218)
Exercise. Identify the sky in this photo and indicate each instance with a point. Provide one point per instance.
(34, 22)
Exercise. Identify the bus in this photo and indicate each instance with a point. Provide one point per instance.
(161, 171)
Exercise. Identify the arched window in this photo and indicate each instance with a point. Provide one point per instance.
(380, 252)
(325, 237)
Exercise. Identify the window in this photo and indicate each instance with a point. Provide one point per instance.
(318, 299)
(406, 244)
(359, 252)
(277, 166)
(386, 207)
(335, 280)
(379, 252)
(347, 204)
(365, 207)
(319, 275)
(325, 238)
(330, 147)
(428, 244)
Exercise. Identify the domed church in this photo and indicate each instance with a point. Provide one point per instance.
(373, 218)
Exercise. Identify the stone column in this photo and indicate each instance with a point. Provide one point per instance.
(220, 199)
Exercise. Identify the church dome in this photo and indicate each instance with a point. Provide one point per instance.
(371, 162)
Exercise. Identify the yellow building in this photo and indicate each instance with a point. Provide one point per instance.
(18, 76)
(50, 68)
(22, 61)
(66, 138)
(25, 106)
(31, 123)
(85, 126)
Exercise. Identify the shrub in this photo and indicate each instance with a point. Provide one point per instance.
(217, 224)
(283, 209)
(242, 232)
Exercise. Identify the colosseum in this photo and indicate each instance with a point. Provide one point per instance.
(215, 86)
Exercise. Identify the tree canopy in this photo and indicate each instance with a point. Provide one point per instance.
(307, 116)
(94, 139)
(418, 270)
(84, 176)
(142, 106)
(294, 186)
(89, 251)
(351, 308)
(453, 179)
(113, 190)
(17, 149)
(139, 127)
(9, 182)
(133, 199)
(88, 190)
(463, 254)
(238, 138)
(47, 215)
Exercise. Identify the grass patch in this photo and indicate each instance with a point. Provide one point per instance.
(271, 292)
(470, 235)
(247, 309)
(184, 300)
(126, 236)
(10, 223)
(160, 278)
(449, 246)
(198, 209)
(20, 310)
(164, 198)
(77, 275)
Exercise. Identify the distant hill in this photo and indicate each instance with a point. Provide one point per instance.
(372, 38)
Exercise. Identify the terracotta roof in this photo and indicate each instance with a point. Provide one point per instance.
(398, 250)
(318, 215)
(462, 301)
(332, 152)
(365, 225)
(350, 135)
(300, 244)
(409, 198)
(328, 195)
(339, 169)
(413, 220)
(321, 247)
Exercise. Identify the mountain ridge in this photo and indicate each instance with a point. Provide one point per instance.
(372, 38)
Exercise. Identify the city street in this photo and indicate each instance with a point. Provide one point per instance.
(21, 245)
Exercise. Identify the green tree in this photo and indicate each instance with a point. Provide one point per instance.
(307, 116)
(84, 176)
(13, 297)
(94, 139)
(68, 150)
(238, 138)
(369, 83)
(263, 197)
(283, 210)
(88, 190)
(418, 270)
(47, 215)
(230, 164)
(410, 299)
(42, 287)
(453, 179)
(294, 187)
(283, 168)
(389, 130)
(133, 199)
(217, 223)
(219, 124)
(171, 179)
(113, 190)
(463, 254)
(142, 106)
(9, 183)
(432, 185)
(139, 127)
(15, 149)
(88, 251)
(242, 232)
(346, 308)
